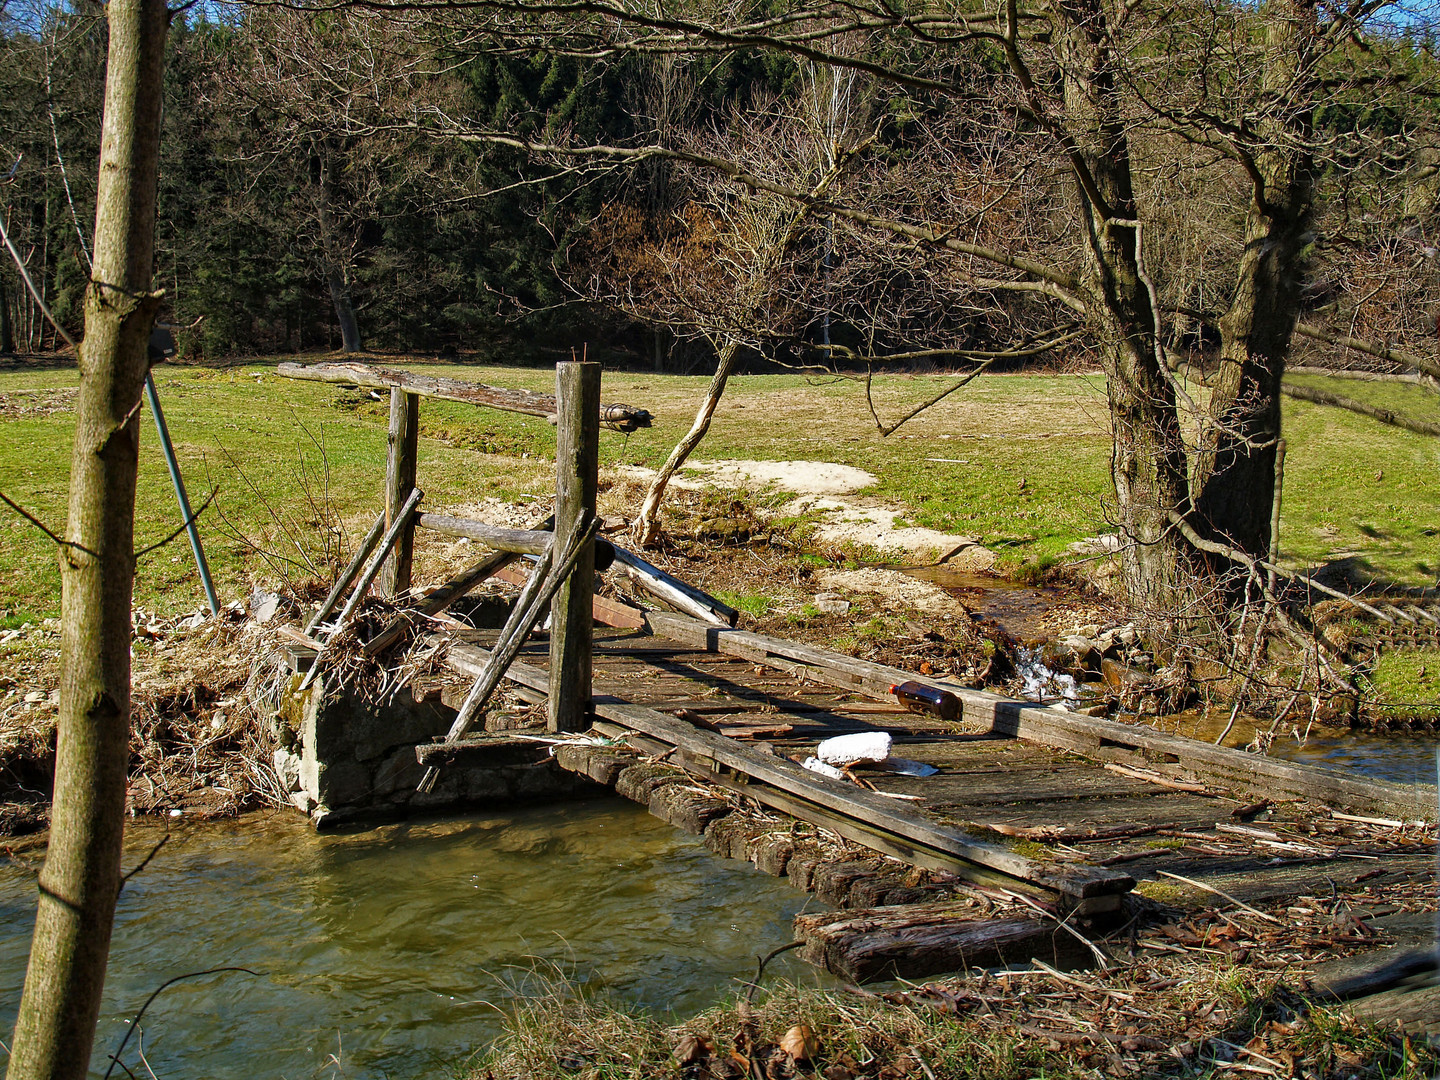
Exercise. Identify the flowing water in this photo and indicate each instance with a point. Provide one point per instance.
(397, 950)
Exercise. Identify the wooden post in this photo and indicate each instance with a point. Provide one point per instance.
(403, 450)
(577, 457)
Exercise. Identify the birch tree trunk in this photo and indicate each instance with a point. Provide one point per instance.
(646, 529)
(81, 876)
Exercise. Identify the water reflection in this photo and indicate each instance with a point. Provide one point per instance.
(395, 949)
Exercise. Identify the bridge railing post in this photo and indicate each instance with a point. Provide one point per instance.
(577, 458)
(402, 453)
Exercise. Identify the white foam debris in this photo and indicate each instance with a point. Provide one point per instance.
(863, 747)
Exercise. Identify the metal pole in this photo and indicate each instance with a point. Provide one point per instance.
(184, 500)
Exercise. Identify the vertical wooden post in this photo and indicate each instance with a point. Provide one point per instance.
(577, 458)
(402, 451)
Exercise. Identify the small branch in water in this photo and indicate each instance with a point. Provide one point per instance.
(135, 1020)
(754, 985)
(143, 862)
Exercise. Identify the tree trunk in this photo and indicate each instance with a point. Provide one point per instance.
(1235, 471)
(344, 310)
(646, 529)
(1148, 462)
(7, 328)
(81, 876)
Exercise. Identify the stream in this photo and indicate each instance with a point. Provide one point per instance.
(398, 950)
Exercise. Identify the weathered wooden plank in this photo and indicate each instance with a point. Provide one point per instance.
(918, 940)
(577, 457)
(605, 611)
(401, 462)
(1254, 774)
(620, 417)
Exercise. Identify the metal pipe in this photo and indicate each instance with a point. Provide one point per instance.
(184, 500)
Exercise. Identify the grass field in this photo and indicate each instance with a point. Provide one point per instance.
(297, 466)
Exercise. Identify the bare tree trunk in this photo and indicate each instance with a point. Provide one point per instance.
(81, 877)
(1235, 472)
(646, 529)
(350, 340)
(1148, 463)
(7, 328)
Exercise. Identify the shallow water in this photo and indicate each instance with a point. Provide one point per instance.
(1017, 608)
(1403, 758)
(396, 950)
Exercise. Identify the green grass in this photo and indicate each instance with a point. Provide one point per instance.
(1406, 682)
(959, 467)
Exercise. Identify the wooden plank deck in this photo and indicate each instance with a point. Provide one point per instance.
(1063, 805)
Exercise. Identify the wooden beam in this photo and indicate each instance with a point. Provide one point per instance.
(605, 611)
(620, 417)
(577, 462)
(1253, 774)
(401, 463)
(348, 575)
(519, 541)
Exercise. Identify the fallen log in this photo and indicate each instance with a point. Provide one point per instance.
(674, 592)
(914, 941)
(620, 417)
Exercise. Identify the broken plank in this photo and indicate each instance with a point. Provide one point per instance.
(914, 941)
(605, 611)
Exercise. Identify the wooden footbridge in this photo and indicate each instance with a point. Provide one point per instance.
(1052, 815)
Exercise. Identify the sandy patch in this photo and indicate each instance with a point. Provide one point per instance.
(892, 584)
(845, 522)
(822, 487)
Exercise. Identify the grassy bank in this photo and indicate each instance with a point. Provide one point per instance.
(1147, 1020)
(1019, 462)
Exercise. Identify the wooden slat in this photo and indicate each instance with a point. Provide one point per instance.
(1252, 773)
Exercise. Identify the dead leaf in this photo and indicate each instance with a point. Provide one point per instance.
(800, 1043)
(691, 1049)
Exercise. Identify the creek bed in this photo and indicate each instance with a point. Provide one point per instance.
(398, 949)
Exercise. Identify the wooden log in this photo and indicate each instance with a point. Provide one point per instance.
(914, 941)
(347, 576)
(515, 541)
(401, 462)
(518, 541)
(1252, 774)
(577, 462)
(619, 417)
(674, 592)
